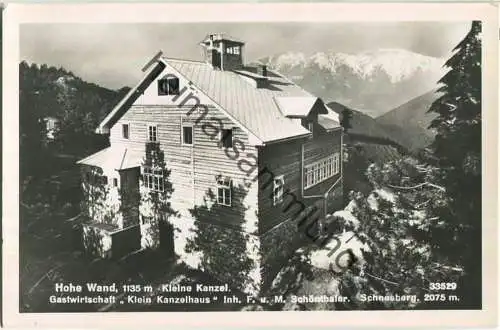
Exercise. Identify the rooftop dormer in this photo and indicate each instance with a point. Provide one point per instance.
(222, 51)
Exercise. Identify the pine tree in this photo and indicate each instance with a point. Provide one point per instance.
(32, 129)
(155, 193)
(459, 108)
(458, 148)
(397, 221)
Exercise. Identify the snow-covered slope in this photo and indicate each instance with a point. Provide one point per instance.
(398, 64)
(373, 81)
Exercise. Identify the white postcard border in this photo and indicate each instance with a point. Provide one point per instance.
(16, 14)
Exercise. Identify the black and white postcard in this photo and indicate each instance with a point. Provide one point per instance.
(238, 159)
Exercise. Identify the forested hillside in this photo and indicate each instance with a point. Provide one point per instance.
(365, 142)
(50, 191)
(409, 123)
(55, 92)
(361, 124)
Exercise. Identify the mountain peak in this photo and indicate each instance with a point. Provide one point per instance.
(398, 64)
(288, 59)
(373, 81)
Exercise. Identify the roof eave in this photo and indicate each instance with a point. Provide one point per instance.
(333, 129)
(103, 127)
(289, 138)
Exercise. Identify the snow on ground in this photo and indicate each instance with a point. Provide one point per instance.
(417, 218)
(372, 202)
(333, 255)
(406, 241)
(386, 195)
(352, 206)
(348, 217)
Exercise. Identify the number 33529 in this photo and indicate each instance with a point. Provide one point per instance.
(443, 286)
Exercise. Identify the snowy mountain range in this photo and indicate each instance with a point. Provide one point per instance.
(373, 82)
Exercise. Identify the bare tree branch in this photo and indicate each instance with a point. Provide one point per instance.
(418, 186)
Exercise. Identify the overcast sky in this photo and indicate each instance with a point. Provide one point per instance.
(112, 55)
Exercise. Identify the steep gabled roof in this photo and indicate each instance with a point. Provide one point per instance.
(254, 108)
(151, 73)
(261, 111)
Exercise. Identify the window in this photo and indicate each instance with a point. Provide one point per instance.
(146, 220)
(168, 86)
(278, 184)
(336, 163)
(224, 191)
(115, 182)
(153, 179)
(321, 170)
(233, 50)
(125, 131)
(227, 138)
(187, 135)
(152, 133)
